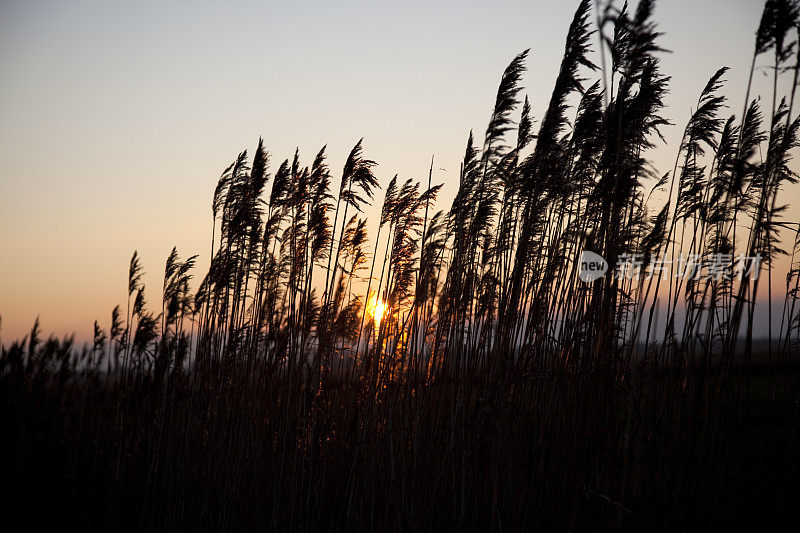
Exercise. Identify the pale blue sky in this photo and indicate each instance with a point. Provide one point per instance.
(116, 118)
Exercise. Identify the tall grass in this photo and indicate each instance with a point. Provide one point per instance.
(456, 372)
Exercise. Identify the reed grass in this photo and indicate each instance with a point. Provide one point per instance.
(454, 372)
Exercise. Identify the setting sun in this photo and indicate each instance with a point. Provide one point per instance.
(377, 308)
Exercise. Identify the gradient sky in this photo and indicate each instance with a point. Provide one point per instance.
(116, 119)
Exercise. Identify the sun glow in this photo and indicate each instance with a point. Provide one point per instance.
(377, 308)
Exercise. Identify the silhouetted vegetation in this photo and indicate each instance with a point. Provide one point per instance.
(455, 372)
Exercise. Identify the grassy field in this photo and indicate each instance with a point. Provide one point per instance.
(559, 452)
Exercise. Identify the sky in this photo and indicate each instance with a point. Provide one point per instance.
(117, 118)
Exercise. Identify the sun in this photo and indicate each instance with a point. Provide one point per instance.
(377, 309)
